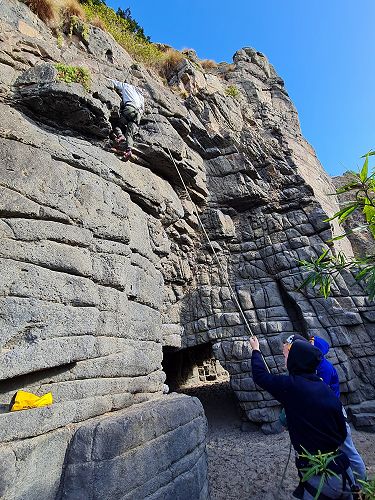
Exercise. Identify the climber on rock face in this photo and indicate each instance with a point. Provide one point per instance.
(132, 108)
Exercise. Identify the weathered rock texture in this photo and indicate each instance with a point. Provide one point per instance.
(103, 263)
(155, 450)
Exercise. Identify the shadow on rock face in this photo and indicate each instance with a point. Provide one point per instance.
(61, 104)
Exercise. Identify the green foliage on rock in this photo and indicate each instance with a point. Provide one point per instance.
(321, 271)
(232, 91)
(77, 26)
(73, 74)
(60, 40)
(122, 30)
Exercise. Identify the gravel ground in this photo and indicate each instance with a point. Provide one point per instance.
(249, 465)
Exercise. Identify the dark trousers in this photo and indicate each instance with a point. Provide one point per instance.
(129, 123)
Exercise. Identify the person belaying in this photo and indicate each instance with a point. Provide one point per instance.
(327, 372)
(132, 108)
(314, 414)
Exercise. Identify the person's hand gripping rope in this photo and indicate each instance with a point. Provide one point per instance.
(254, 343)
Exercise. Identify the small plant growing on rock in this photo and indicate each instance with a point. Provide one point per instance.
(181, 92)
(59, 38)
(232, 91)
(78, 26)
(73, 74)
(170, 61)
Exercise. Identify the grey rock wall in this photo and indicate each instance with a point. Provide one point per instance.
(104, 263)
(154, 450)
(264, 182)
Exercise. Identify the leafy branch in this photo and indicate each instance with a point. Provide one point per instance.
(368, 489)
(318, 466)
(323, 270)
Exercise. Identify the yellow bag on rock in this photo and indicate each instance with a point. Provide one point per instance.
(23, 400)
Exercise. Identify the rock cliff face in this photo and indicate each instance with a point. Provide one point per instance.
(104, 264)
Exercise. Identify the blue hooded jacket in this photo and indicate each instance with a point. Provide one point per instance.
(326, 371)
(314, 414)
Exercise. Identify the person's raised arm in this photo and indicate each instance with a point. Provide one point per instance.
(274, 384)
(116, 83)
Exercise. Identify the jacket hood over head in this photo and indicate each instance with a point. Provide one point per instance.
(321, 344)
(303, 358)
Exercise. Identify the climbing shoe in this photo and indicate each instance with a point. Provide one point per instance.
(127, 154)
(119, 139)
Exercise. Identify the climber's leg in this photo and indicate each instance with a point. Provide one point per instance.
(129, 122)
(118, 136)
(131, 130)
(131, 117)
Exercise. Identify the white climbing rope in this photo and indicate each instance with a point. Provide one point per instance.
(233, 292)
(224, 271)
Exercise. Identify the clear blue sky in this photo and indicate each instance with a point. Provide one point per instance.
(323, 49)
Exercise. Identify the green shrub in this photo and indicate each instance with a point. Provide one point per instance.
(368, 489)
(77, 26)
(73, 74)
(232, 91)
(121, 29)
(318, 466)
(134, 27)
(323, 270)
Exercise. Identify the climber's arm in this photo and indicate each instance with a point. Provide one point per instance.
(276, 385)
(116, 84)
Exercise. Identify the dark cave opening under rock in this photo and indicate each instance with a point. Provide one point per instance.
(191, 367)
(195, 371)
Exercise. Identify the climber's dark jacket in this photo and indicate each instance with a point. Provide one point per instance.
(314, 413)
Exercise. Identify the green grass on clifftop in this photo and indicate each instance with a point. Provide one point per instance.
(73, 17)
(141, 49)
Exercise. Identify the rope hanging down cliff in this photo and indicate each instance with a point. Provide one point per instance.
(231, 289)
(131, 95)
